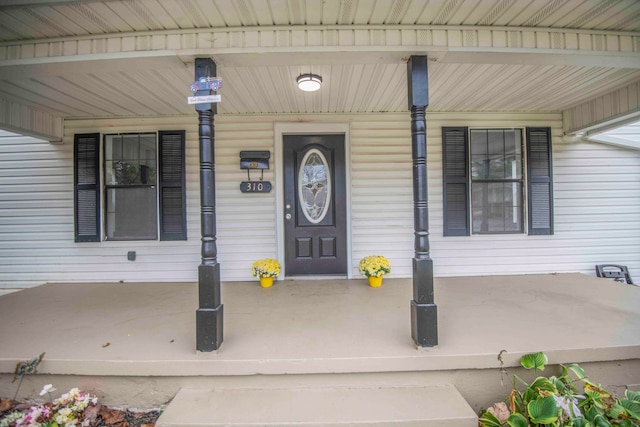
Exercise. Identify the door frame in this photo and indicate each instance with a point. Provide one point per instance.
(286, 128)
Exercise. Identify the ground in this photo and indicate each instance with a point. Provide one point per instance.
(98, 415)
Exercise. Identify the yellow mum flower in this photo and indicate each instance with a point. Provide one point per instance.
(374, 266)
(267, 267)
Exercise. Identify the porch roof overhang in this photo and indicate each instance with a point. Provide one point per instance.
(92, 59)
(621, 135)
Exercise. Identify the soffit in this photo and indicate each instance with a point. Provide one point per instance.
(160, 86)
(353, 82)
(35, 19)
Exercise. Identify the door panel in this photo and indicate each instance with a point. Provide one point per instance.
(315, 205)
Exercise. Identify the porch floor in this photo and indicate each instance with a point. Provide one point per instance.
(318, 326)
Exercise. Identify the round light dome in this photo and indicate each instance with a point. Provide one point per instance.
(309, 82)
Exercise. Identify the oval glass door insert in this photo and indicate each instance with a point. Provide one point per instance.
(314, 186)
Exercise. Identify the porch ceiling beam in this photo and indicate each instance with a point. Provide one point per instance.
(461, 43)
(68, 65)
(540, 57)
(606, 111)
(26, 120)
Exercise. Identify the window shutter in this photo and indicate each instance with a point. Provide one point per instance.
(86, 179)
(173, 212)
(540, 181)
(455, 181)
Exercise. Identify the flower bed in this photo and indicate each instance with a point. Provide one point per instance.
(72, 409)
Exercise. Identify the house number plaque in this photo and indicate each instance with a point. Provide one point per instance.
(255, 186)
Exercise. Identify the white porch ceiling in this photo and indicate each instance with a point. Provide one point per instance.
(264, 83)
(35, 19)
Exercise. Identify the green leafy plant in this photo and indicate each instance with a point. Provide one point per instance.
(535, 361)
(569, 399)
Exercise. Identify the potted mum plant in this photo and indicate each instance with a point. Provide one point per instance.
(373, 267)
(266, 270)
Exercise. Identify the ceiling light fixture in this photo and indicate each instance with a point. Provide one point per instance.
(309, 82)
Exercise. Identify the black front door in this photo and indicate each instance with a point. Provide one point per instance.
(315, 208)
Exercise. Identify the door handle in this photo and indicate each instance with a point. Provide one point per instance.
(288, 216)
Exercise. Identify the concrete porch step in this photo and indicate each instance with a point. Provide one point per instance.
(440, 405)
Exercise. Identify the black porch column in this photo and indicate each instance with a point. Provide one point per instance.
(209, 314)
(424, 315)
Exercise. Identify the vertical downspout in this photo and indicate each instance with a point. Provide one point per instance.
(209, 315)
(424, 315)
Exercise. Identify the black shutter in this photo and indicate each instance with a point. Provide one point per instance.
(540, 181)
(86, 180)
(455, 178)
(173, 211)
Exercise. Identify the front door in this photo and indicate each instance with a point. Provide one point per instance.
(315, 208)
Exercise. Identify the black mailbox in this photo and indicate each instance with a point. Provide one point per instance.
(254, 159)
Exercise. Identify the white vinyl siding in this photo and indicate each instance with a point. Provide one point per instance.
(35, 203)
(596, 208)
(381, 191)
(596, 197)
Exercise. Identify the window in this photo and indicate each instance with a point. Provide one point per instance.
(496, 181)
(144, 187)
(130, 187)
(484, 183)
